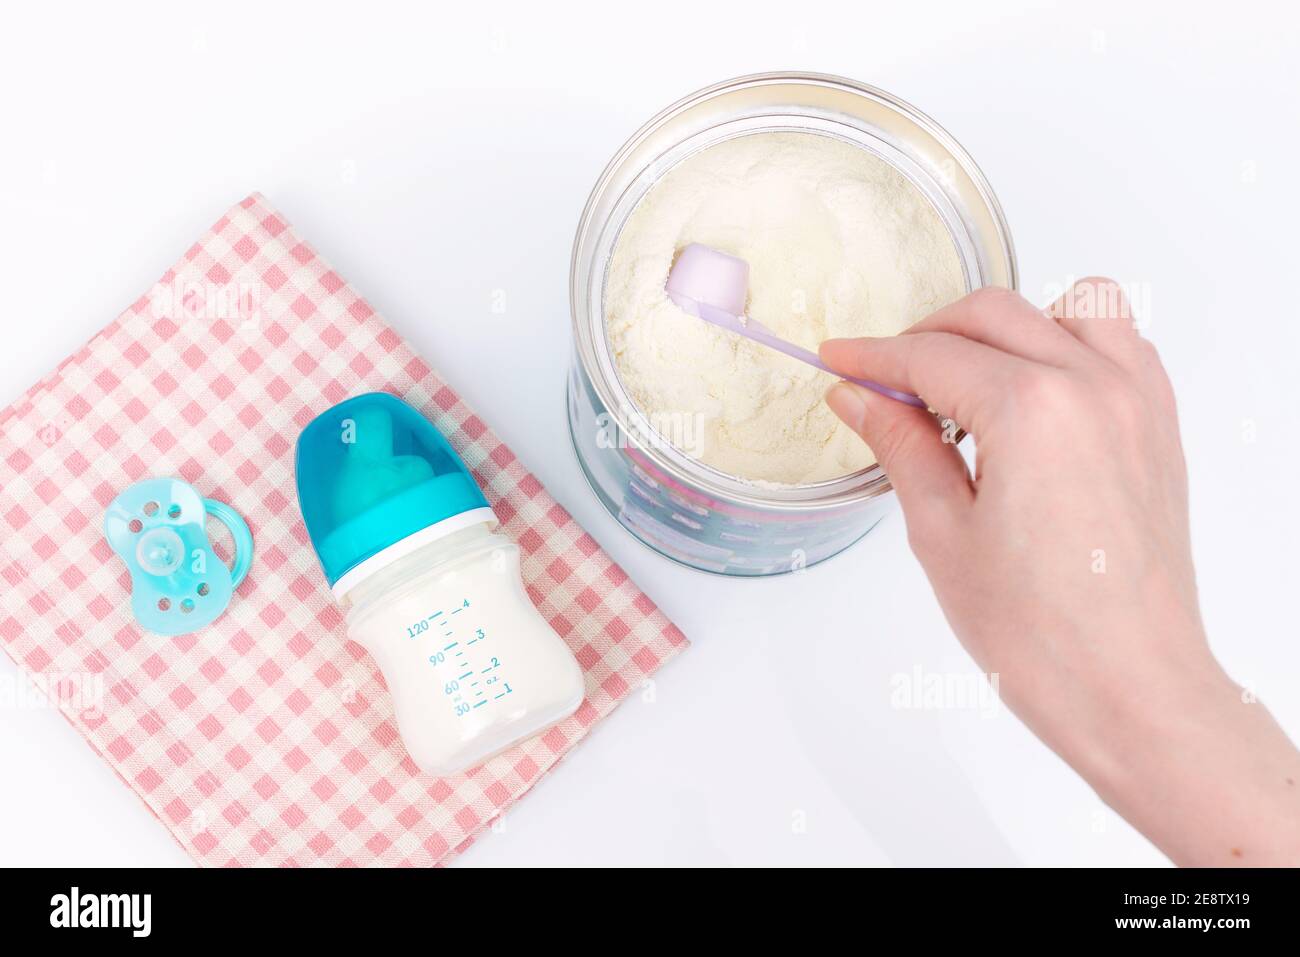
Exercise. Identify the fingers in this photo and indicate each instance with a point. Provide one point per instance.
(928, 474)
(957, 376)
(1096, 312)
(1005, 320)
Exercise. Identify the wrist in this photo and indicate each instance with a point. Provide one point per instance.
(1150, 721)
(1202, 769)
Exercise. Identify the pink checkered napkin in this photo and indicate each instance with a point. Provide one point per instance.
(266, 738)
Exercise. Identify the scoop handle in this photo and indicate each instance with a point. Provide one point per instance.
(759, 333)
(754, 330)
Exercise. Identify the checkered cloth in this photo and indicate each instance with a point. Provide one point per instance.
(266, 738)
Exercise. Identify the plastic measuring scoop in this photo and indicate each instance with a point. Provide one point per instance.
(712, 286)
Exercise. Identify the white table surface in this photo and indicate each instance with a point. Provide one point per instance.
(436, 158)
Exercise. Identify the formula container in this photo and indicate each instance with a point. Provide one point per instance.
(405, 538)
(678, 506)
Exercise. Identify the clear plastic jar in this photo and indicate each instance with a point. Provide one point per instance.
(675, 504)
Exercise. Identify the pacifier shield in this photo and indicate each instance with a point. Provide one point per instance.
(178, 583)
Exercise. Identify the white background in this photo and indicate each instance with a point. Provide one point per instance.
(437, 156)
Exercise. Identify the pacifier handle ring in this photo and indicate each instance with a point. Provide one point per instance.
(239, 531)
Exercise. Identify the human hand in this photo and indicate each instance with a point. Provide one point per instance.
(1064, 564)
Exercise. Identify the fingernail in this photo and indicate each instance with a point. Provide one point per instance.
(847, 402)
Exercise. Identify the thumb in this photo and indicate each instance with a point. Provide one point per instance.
(927, 472)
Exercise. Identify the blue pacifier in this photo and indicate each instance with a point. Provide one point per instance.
(159, 528)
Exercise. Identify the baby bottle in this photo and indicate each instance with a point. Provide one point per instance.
(406, 541)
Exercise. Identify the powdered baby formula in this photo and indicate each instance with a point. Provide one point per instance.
(839, 243)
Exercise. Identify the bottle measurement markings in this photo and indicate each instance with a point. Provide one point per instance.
(452, 688)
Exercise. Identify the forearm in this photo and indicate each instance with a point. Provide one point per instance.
(1204, 772)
